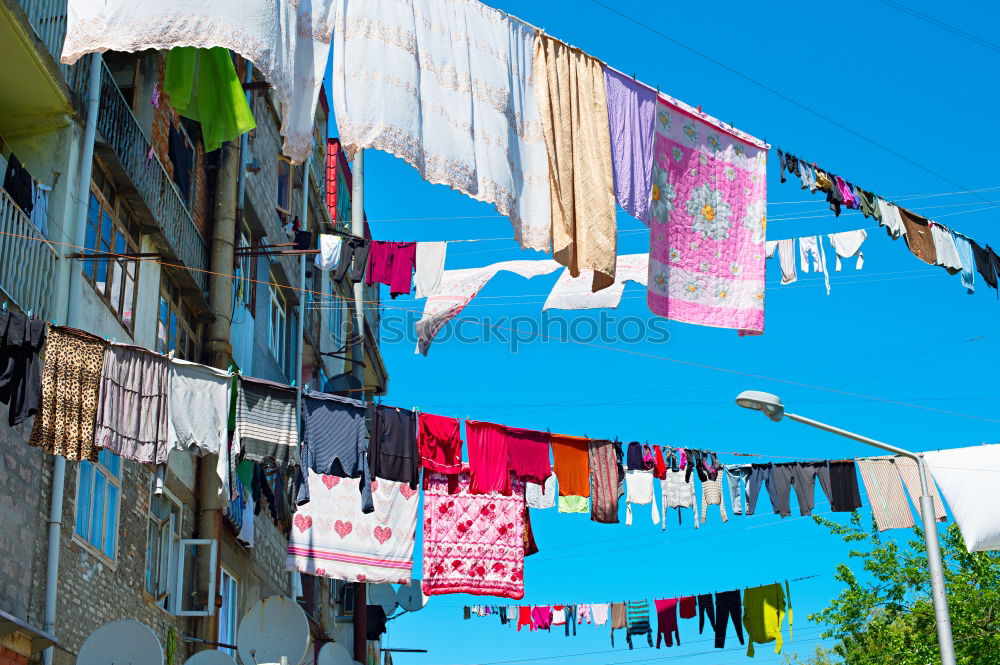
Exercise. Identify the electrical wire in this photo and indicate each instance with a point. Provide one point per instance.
(942, 25)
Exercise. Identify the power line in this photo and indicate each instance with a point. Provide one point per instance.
(942, 25)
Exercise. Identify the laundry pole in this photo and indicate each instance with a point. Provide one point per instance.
(358, 230)
(300, 337)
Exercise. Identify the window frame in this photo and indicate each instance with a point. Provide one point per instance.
(179, 126)
(230, 614)
(179, 589)
(277, 343)
(178, 321)
(110, 479)
(96, 240)
(284, 211)
(163, 595)
(246, 263)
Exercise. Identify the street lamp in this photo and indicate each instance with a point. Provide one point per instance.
(772, 407)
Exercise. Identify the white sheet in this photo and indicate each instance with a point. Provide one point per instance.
(969, 478)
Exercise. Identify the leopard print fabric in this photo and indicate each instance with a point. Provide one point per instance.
(71, 382)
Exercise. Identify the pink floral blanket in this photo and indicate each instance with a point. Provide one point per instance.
(331, 537)
(473, 543)
(708, 212)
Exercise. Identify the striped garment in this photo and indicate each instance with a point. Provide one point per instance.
(910, 473)
(334, 442)
(885, 493)
(267, 430)
(711, 494)
(603, 482)
(638, 621)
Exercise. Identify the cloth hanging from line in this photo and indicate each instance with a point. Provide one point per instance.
(764, 610)
(572, 104)
(19, 184)
(528, 454)
(708, 212)
(290, 45)
(21, 342)
(909, 473)
(845, 496)
(448, 88)
(71, 382)
(918, 236)
(738, 474)
(968, 479)
(638, 621)
(984, 264)
(945, 249)
(40, 208)
(429, 267)
(473, 543)
(639, 490)
(604, 479)
(891, 219)
(666, 621)
(198, 406)
(267, 429)
(329, 251)
(571, 464)
(201, 84)
(392, 450)
(333, 537)
(847, 244)
(600, 613)
(711, 495)
(964, 247)
(813, 245)
(439, 441)
(786, 258)
(575, 292)
(676, 493)
(631, 118)
(885, 493)
(132, 415)
(392, 264)
(574, 504)
(488, 458)
(333, 443)
(541, 496)
(459, 287)
(619, 619)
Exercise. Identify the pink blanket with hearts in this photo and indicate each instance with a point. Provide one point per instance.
(473, 543)
(331, 537)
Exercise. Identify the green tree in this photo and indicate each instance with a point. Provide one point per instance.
(886, 616)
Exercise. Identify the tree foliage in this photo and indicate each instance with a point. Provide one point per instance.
(886, 615)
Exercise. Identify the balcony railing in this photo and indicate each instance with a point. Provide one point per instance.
(27, 260)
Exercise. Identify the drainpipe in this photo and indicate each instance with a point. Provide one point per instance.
(72, 319)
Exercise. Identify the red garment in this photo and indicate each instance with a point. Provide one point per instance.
(524, 617)
(659, 466)
(528, 454)
(572, 464)
(688, 607)
(439, 440)
(488, 457)
(392, 263)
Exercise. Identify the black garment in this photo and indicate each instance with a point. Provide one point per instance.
(705, 608)
(634, 457)
(984, 264)
(995, 260)
(21, 340)
(392, 452)
(19, 184)
(374, 622)
(694, 459)
(711, 465)
(781, 165)
(303, 239)
(530, 546)
(792, 165)
(802, 476)
(182, 159)
(844, 494)
(833, 195)
(727, 605)
(356, 249)
(466, 612)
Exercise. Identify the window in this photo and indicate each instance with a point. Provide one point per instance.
(195, 585)
(97, 492)
(276, 328)
(246, 281)
(111, 231)
(284, 185)
(229, 612)
(162, 544)
(176, 329)
(180, 150)
(335, 320)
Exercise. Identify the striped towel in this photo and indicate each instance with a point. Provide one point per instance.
(267, 430)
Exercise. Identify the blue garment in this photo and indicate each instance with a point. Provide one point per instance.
(964, 248)
(761, 473)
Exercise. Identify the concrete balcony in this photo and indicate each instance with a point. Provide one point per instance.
(27, 260)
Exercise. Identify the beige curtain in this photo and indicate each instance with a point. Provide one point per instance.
(573, 106)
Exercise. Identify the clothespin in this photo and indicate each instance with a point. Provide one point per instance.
(699, 108)
(29, 313)
(305, 388)
(5, 307)
(230, 368)
(293, 383)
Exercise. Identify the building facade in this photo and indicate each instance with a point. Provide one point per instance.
(153, 231)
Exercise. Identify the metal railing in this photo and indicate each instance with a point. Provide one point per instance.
(120, 129)
(48, 18)
(27, 260)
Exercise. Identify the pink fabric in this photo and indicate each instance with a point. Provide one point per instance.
(488, 457)
(392, 263)
(528, 454)
(846, 192)
(541, 617)
(439, 440)
(472, 543)
(708, 212)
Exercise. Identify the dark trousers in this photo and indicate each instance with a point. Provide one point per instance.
(705, 607)
(727, 605)
(761, 474)
(356, 249)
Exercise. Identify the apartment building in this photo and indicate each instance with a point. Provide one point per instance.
(155, 208)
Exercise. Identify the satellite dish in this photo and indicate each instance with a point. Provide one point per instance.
(122, 642)
(384, 595)
(275, 627)
(210, 657)
(411, 596)
(334, 653)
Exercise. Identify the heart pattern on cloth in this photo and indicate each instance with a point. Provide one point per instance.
(405, 490)
(303, 522)
(330, 481)
(362, 577)
(382, 534)
(342, 528)
(374, 484)
(321, 571)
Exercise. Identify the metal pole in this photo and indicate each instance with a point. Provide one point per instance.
(358, 229)
(304, 220)
(72, 319)
(934, 564)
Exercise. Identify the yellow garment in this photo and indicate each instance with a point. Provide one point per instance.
(574, 504)
(763, 612)
(823, 181)
(573, 106)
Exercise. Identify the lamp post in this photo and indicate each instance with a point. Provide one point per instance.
(772, 407)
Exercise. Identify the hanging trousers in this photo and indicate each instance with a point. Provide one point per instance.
(705, 607)
(761, 474)
(666, 622)
(802, 476)
(737, 475)
(727, 606)
(356, 249)
(571, 619)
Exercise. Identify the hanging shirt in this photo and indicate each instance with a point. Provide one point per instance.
(392, 451)
(21, 342)
(571, 464)
(541, 496)
(19, 184)
(429, 267)
(676, 493)
(290, 45)
(631, 118)
(528, 454)
(891, 219)
(847, 244)
(488, 458)
(968, 480)
(267, 429)
(40, 208)
(984, 264)
(639, 490)
(964, 248)
(918, 236)
(439, 441)
(786, 258)
(392, 263)
(813, 245)
(574, 504)
(944, 249)
(333, 443)
(763, 613)
(329, 251)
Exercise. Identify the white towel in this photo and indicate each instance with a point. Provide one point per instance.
(847, 244)
(329, 251)
(575, 292)
(430, 266)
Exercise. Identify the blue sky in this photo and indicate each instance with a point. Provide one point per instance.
(897, 330)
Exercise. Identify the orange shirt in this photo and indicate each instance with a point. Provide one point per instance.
(571, 464)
